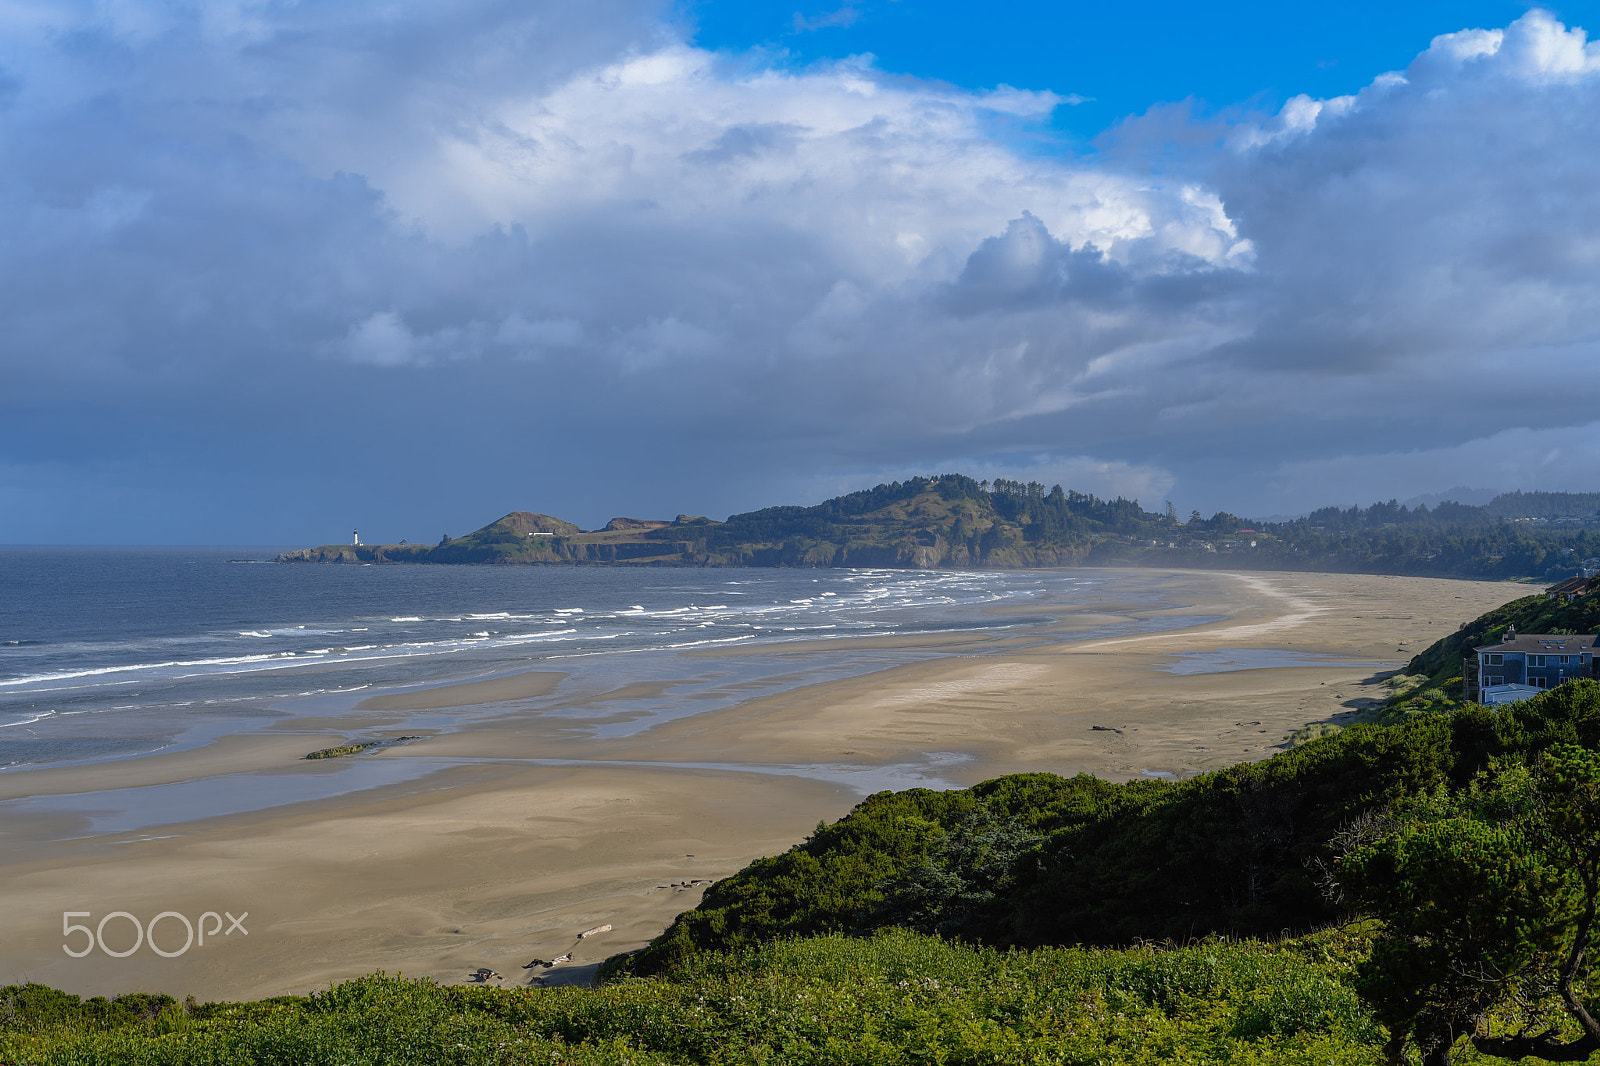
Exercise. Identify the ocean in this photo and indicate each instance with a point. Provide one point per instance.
(112, 653)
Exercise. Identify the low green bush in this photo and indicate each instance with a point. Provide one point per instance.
(1034, 859)
(895, 998)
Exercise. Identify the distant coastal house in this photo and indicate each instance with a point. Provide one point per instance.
(1574, 588)
(1525, 664)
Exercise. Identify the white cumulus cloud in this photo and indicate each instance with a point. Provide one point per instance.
(624, 272)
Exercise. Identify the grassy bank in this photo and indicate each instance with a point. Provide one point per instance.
(894, 998)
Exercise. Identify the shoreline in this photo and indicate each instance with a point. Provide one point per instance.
(505, 835)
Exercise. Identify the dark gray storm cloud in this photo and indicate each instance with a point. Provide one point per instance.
(268, 271)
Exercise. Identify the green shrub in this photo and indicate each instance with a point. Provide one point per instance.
(1036, 859)
(895, 998)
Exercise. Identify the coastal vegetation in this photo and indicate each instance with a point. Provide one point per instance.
(1473, 834)
(894, 998)
(1038, 859)
(1488, 899)
(1420, 888)
(1439, 665)
(953, 521)
(1433, 680)
(1428, 885)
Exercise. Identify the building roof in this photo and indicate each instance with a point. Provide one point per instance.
(1570, 585)
(1542, 644)
(1495, 694)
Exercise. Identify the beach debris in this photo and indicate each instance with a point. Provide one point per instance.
(359, 746)
(597, 929)
(483, 973)
(1105, 729)
(342, 750)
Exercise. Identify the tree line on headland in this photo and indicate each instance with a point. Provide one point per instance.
(953, 521)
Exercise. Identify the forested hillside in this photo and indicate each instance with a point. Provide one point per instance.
(1545, 505)
(953, 521)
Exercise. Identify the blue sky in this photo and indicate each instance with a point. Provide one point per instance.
(1122, 58)
(272, 270)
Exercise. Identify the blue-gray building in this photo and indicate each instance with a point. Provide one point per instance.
(1524, 664)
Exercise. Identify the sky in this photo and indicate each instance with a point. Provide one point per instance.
(270, 271)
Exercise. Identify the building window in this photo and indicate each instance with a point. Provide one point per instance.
(1539, 682)
(1536, 660)
(1496, 679)
(1496, 659)
(1563, 659)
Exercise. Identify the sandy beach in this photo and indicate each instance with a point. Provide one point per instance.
(495, 844)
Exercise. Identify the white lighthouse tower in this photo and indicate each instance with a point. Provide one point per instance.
(355, 538)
